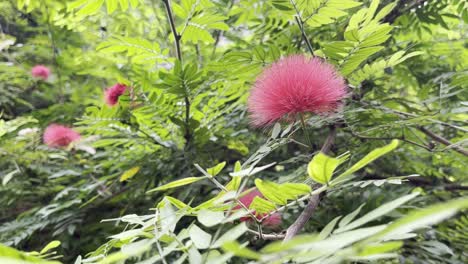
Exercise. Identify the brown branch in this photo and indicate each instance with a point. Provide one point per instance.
(272, 236)
(313, 200)
(303, 218)
(443, 140)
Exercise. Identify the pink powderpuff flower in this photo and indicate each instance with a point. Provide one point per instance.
(272, 221)
(293, 85)
(112, 94)
(56, 135)
(40, 71)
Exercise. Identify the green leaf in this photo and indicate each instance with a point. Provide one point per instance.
(326, 231)
(373, 249)
(270, 191)
(129, 173)
(210, 218)
(200, 238)
(351, 216)
(373, 155)
(177, 183)
(50, 246)
(321, 168)
(376, 213)
(231, 235)
(240, 250)
(421, 218)
(261, 205)
(276, 130)
(140, 50)
(234, 184)
(213, 171)
(177, 203)
(318, 13)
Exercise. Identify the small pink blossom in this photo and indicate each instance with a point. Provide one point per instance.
(272, 221)
(113, 93)
(292, 85)
(59, 136)
(40, 71)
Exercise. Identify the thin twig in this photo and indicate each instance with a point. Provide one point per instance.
(262, 236)
(177, 38)
(220, 186)
(443, 140)
(54, 55)
(300, 23)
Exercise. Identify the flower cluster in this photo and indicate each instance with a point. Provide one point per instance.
(40, 71)
(56, 135)
(293, 85)
(113, 93)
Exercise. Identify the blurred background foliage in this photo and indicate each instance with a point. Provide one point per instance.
(413, 81)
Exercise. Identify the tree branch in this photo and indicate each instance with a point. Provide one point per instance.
(443, 140)
(300, 23)
(177, 38)
(313, 200)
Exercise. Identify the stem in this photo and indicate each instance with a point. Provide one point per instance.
(220, 186)
(177, 38)
(306, 134)
(313, 200)
(54, 55)
(303, 218)
(443, 140)
(300, 23)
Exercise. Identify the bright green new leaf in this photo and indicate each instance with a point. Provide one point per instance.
(262, 206)
(177, 183)
(50, 246)
(213, 171)
(373, 155)
(177, 203)
(271, 191)
(321, 168)
(129, 173)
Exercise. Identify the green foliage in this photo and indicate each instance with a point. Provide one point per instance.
(160, 177)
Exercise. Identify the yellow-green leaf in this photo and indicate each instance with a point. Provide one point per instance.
(213, 171)
(177, 183)
(373, 155)
(50, 246)
(321, 167)
(129, 173)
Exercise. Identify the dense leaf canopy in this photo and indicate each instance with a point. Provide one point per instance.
(156, 153)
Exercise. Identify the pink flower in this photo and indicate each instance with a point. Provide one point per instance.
(113, 93)
(59, 136)
(292, 85)
(273, 221)
(40, 71)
